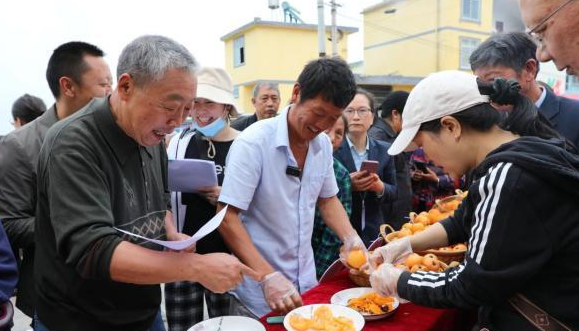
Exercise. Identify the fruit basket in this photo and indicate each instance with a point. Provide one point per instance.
(389, 234)
(450, 203)
(449, 254)
(422, 262)
(362, 279)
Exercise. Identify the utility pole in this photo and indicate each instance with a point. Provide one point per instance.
(334, 29)
(437, 35)
(321, 30)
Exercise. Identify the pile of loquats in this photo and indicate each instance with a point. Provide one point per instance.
(429, 262)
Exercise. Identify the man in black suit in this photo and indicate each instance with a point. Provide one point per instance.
(513, 56)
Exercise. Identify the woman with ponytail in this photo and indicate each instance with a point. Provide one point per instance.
(520, 216)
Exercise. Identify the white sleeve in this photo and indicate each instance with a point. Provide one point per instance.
(244, 165)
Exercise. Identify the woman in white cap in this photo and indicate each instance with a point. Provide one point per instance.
(209, 139)
(519, 218)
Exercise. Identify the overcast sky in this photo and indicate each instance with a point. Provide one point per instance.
(31, 29)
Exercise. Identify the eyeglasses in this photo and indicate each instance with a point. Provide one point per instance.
(538, 36)
(361, 111)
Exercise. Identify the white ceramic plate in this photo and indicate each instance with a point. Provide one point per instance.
(228, 323)
(337, 310)
(342, 297)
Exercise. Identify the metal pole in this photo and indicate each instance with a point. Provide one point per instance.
(321, 30)
(437, 35)
(334, 30)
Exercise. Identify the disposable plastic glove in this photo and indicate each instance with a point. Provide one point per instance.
(280, 294)
(384, 281)
(351, 243)
(394, 252)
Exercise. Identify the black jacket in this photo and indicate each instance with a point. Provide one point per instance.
(521, 222)
(563, 113)
(394, 213)
(241, 123)
(370, 200)
(18, 158)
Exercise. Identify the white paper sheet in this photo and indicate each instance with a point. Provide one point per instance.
(182, 244)
(187, 175)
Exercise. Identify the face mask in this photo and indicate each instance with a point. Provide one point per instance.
(211, 130)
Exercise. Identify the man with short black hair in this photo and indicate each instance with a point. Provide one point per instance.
(266, 101)
(277, 170)
(513, 56)
(76, 73)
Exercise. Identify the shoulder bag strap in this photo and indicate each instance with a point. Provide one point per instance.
(537, 316)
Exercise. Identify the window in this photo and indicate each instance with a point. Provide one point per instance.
(471, 10)
(239, 51)
(467, 46)
(499, 27)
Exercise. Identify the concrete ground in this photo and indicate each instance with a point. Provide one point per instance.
(22, 322)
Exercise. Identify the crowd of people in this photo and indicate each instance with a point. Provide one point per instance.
(303, 186)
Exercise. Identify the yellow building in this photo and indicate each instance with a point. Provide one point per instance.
(405, 40)
(274, 51)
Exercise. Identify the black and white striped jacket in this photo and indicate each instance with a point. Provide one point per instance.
(521, 223)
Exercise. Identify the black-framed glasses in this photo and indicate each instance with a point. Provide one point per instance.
(362, 111)
(533, 32)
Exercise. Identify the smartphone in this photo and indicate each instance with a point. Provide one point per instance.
(369, 165)
(420, 166)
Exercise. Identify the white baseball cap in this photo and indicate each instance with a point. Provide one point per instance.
(216, 85)
(438, 95)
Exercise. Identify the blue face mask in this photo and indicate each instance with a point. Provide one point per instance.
(212, 129)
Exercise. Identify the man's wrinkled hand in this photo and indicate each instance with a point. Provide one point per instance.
(223, 272)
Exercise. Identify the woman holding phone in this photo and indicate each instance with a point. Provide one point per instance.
(372, 171)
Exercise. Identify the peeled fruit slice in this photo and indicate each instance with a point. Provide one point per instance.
(300, 323)
(356, 259)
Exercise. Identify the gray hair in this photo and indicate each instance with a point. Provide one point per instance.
(511, 50)
(270, 85)
(148, 58)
